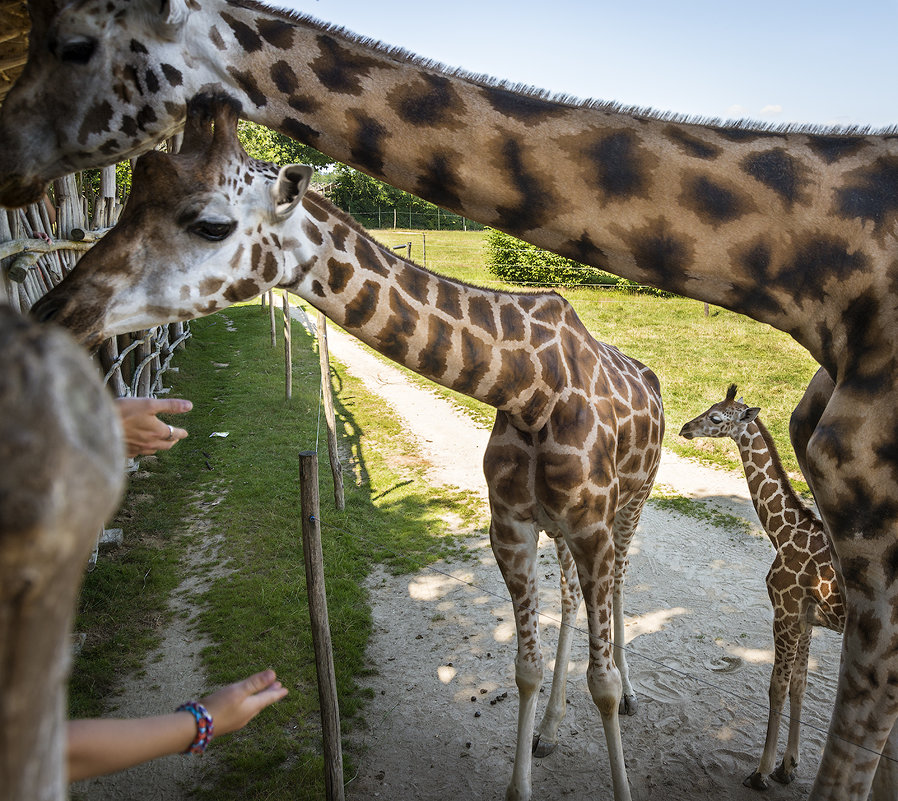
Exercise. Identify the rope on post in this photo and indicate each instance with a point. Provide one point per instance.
(321, 635)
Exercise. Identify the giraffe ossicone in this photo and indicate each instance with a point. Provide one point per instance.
(577, 438)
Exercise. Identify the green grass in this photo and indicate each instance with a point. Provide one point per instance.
(257, 615)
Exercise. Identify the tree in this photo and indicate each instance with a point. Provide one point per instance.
(266, 145)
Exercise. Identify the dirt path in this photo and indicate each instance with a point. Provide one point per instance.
(442, 722)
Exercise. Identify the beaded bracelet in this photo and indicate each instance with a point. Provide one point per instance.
(204, 727)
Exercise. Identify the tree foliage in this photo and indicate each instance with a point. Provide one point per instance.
(372, 202)
(266, 145)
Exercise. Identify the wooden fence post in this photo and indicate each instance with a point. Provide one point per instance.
(274, 338)
(288, 350)
(329, 416)
(321, 635)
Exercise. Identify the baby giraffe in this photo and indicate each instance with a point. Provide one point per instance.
(577, 438)
(801, 582)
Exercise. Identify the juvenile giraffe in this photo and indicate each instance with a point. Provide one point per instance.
(794, 227)
(802, 581)
(577, 438)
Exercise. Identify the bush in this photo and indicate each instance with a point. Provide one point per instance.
(518, 262)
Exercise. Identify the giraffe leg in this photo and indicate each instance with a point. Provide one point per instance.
(785, 772)
(885, 782)
(594, 566)
(546, 738)
(785, 646)
(854, 486)
(624, 527)
(514, 546)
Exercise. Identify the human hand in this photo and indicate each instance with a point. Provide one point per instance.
(144, 433)
(234, 706)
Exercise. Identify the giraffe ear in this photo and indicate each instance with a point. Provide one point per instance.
(170, 15)
(292, 183)
(751, 413)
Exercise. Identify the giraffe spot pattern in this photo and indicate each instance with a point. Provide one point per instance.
(339, 274)
(151, 81)
(299, 131)
(368, 259)
(283, 77)
(216, 38)
(246, 81)
(338, 236)
(362, 307)
(270, 270)
(438, 180)
(368, 135)
(434, 356)
(512, 323)
(814, 260)
(872, 192)
(311, 232)
(524, 108)
(428, 101)
(835, 148)
(480, 313)
(660, 252)
(535, 199)
(393, 338)
(339, 69)
(172, 74)
(449, 300)
(621, 170)
(138, 47)
(96, 120)
(414, 282)
(244, 289)
(516, 370)
(476, 358)
(714, 203)
(585, 251)
(209, 286)
(691, 145)
(276, 32)
(246, 37)
(779, 171)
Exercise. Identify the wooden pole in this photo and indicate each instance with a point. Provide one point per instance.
(329, 416)
(321, 635)
(274, 337)
(288, 350)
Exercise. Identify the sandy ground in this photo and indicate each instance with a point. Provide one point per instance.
(443, 718)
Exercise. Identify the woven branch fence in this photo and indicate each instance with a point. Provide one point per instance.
(40, 244)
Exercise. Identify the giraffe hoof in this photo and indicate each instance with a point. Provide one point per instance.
(782, 775)
(542, 748)
(756, 782)
(628, 705)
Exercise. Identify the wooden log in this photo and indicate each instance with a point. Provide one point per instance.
(62, 457)
(288, 350)
(329, 416)
(321, 634)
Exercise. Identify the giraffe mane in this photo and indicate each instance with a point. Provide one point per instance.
(562, 98)
(778, 465)
(323, 203)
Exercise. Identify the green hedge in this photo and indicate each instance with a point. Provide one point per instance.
(518, 262)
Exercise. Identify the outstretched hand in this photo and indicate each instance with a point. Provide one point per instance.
(234, 706)
(145, 433)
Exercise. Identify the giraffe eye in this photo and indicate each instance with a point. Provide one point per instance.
(212, 231)
(716, 418)
(77, 51)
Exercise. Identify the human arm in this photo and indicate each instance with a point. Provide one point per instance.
(144, 432)
(98, 746)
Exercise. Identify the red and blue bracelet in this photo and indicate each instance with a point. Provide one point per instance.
(204, 727)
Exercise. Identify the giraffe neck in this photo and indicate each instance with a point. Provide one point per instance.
(771, 491)
(738, 218)
(500, 348)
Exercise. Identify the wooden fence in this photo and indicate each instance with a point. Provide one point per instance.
(40, 244)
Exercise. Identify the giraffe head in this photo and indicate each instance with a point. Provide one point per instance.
(105, 80)
(728, 418)
(201, 230)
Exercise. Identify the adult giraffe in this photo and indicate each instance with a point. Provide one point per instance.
(577, 438)
(793, 227)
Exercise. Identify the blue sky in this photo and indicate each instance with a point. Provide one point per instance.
(824, 62)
